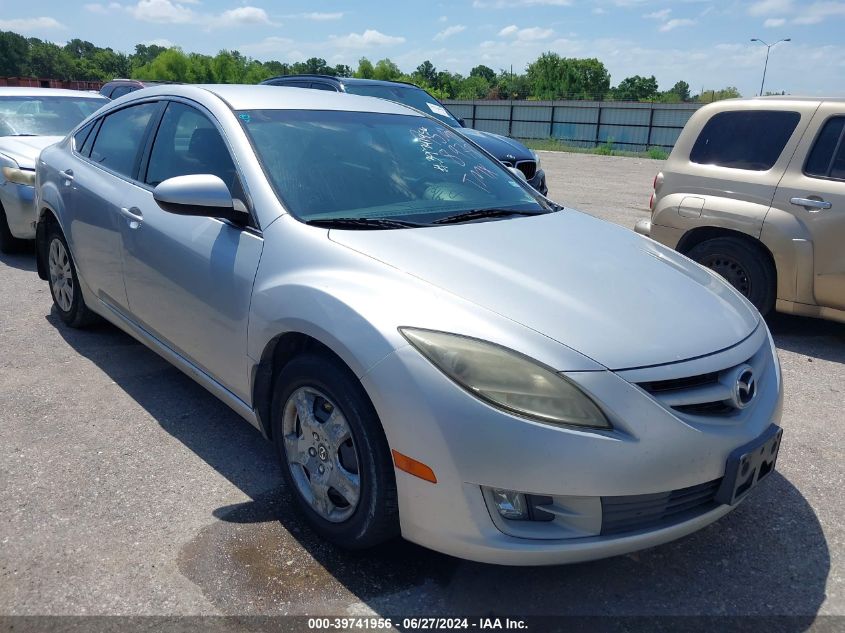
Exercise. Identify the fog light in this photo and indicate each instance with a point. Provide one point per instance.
(511, 505)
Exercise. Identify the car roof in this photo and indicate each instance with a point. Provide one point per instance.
(347, 80)
(266, 97)
(788, 98)
(15, 91)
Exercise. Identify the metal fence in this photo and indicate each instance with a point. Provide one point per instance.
(627, 125)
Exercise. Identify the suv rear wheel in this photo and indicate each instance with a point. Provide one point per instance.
(743, 264)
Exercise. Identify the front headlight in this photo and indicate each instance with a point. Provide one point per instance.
(19, 176)
(507, 379)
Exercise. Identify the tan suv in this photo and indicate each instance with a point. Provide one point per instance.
(755, 190)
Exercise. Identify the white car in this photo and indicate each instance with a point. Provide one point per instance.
(435, 348)
(30, 120)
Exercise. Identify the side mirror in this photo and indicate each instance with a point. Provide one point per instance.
(517, 173)
(201, 195)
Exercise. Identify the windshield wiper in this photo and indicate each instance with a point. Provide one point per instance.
(477, 214)
(364, 223)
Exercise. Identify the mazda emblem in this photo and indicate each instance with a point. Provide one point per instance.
(745, 388)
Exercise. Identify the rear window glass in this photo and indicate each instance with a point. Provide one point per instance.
(827, 158)
(751, 140)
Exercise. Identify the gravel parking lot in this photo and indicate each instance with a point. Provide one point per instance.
(125, 488)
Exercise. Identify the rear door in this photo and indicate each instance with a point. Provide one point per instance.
(189, 279)
(100, 177)
(813, 191)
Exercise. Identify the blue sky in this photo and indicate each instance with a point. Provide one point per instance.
(705, 43)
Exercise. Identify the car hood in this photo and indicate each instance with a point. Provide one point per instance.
(24, 150)
(502, 147)
(621, 299)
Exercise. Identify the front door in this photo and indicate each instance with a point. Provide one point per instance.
(189, 279)
(813, 191)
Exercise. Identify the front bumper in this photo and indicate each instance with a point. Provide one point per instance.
(19, 205)
(471, 446)
(539, 182)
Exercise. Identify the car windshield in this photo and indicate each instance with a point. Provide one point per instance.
(44, 116)
(327, 165)
(407, 95)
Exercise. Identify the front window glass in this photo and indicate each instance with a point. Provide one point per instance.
(326, 165)
(407, 95)
(44, 116)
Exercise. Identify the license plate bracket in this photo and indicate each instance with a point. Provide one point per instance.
(748, 465)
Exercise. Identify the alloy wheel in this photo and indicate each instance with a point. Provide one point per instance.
(321, 454)
(61, 275)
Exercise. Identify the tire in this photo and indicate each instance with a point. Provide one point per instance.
(8, 243)
(337, 407)
(64, 282)
(742, 263)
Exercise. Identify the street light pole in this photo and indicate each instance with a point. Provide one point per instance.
(766, 65)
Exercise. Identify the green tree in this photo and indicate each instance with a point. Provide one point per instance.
(554, 77)
(144, 54)
(709, 96)
(386, 70)
(48, 60)
(427, 73)
(14, 54)
(636, 88)
(365, 69)
(681, 89)
(342, 70)
(171, 65)
(511, 86)
(485, 72)
(473, 87)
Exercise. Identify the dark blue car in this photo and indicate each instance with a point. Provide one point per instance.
(509, 151)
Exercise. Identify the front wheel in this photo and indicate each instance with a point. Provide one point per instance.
(334, 455)
(743, 264)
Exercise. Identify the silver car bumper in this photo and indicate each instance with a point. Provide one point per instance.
(19, 205)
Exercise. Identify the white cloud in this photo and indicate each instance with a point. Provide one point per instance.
(449, 31)
(368, 39)
(675, 23)
(773, 23)
(159, 42)
(819, 11)
(162, 11)
(599, 11)
(770, 7)
(241, 16)
(531, 34)
(510, 4)
(25, 25)
(103, 8)
(273, 47)
(318, 16)
(658, 15)
(443, 18)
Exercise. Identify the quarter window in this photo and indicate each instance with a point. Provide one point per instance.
(81, 135)
(827, 158)
(120, 91)
(121, 138)
(187, 142)
(751, 140)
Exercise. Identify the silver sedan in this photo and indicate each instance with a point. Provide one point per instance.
(435, 349)
(30, 120)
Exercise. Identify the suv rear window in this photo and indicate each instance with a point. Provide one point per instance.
(750, 140)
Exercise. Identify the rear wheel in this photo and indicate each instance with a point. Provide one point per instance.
(8, 242)
(334, 454)
(64, 282)
(744, 264)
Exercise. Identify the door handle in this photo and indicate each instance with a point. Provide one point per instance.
(134, 215)
(67, 174)
(810, 203)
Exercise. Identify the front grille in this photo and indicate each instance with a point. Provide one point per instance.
(633, 513)
(527, 167)
(676, 384)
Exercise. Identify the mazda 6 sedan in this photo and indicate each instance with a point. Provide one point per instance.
(435, 349)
